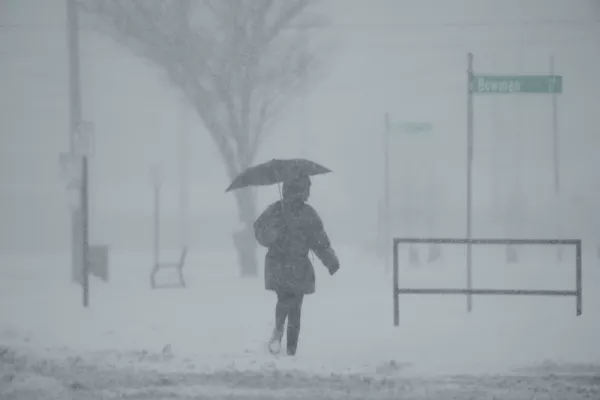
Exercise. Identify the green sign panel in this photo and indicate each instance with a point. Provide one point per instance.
(412, 127)
(517, 84)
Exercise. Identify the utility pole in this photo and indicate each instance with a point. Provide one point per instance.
(79, 237)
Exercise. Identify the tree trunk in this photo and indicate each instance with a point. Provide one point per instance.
(243, 240)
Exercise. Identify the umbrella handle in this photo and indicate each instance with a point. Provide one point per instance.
(281, 197)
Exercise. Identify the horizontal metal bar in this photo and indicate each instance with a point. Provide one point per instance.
(490, 291)
(490, 241)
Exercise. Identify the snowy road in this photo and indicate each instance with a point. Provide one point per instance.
(22, 377)
(208, 341)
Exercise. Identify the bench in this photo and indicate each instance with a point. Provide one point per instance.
(172, 266)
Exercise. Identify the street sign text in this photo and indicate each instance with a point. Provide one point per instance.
(517, 84)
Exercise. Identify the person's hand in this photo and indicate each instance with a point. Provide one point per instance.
(331, 261)
(334, 268)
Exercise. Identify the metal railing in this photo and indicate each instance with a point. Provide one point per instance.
(469, 290)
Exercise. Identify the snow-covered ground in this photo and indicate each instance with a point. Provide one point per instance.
(208, 341)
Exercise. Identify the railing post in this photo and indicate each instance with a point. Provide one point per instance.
(578, 277)
(396, 293)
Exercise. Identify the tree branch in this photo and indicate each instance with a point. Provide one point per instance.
(235, 60)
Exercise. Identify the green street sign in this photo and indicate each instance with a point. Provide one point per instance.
(412, 127)
(517, 84)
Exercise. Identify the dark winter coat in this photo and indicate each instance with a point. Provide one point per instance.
(289, 229)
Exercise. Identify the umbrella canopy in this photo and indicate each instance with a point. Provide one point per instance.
(276, 171)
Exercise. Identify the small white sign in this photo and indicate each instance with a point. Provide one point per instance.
(98, 261)
(415, 127)
(84, 139)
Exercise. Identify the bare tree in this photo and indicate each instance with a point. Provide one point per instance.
(238, 63)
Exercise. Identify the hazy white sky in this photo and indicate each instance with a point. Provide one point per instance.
(404, 57)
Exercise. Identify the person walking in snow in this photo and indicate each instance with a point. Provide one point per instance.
(290, 228)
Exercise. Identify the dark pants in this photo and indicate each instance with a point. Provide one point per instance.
(289, 305)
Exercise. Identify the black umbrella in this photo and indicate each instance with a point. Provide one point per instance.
(276, 171)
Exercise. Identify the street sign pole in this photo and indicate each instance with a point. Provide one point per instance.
(556, 160)
(470, 84)
(406, 128)
(555, 139)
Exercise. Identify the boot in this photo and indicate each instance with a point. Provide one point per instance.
(293, 333)
(275, 342)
